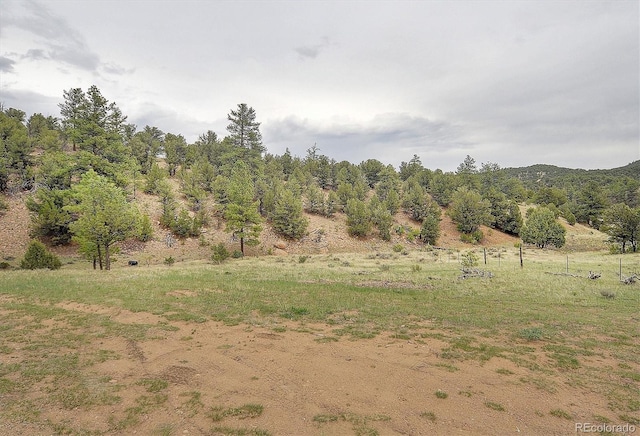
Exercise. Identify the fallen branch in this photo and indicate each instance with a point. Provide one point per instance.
(630, 280)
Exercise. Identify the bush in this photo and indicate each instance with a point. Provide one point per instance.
(169, 260)
(220, 253)
(37, 256)
(398, 248)
(469, 260)
(3, 206)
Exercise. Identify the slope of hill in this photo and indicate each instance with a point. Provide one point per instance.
(324, 236)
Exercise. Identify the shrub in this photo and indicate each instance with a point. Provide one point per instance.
(398, 248)
(237, 254)
(5, 265)
(220, 253)
(3, 206)
(37, 256)
(303, 259)
(469, 260)
(169, 260)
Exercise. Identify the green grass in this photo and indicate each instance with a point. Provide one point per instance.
(552, 326)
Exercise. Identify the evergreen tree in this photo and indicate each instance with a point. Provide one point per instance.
(288, 219)
(622, 224)
(38, 257)
(241, 212)
(430, 229)
(469, 210)
(358, 217)
(542, 229)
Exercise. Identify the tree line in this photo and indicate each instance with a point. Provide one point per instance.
(85, 167)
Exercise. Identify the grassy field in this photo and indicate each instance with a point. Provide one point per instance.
(548, 317)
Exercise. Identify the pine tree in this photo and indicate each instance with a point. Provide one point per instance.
(241, 211)
(288, 218)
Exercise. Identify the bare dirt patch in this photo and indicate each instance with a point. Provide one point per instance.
(195, 378)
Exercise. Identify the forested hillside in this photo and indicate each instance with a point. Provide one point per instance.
(81, 174)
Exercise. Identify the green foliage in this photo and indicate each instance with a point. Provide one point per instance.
(505, 213)
(104, 216)
(358, 218)
(469, 210)
(49, 218)
(622, 224)
(288, 219)
(184, 225)
(542, 229)
(4, 207)
(220, 253)
(469, 260)
(430, 229)
(169, 260)
(381, 218)
(155, 178)
(38, 257)
(145, 228)
(241, 213)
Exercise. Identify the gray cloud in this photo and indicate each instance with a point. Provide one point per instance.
(59, 40)
(391, 138)
(6, 64)
(313, 50)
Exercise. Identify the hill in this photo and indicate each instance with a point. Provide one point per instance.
(324, 236)
(553, 175)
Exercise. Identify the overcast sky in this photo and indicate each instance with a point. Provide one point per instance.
(510, 82)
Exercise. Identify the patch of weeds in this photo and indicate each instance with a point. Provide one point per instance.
(416, 268)
(303, 259)
(194, 404)
(531, 334)
(541, 383)
(360, 423)
(429, 416)
(218, 413)
(559, 413)
(163, 430)
(295, 312)
(279, 329)
(326, 339)
(323, 419)
(357, 332)
(630, 419)
(145, 404)
(504, 371)
(602, 419)
(462, 349)
(467, 394)
(448, 367)
(441, 394)
(564, 361)
(153, 384)
(494, 406)
(229, 431)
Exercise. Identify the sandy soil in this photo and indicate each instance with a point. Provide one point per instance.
(304, 381)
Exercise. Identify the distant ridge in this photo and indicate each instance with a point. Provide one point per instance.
(551, 174)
